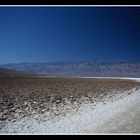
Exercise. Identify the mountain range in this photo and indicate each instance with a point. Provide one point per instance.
(80, 68)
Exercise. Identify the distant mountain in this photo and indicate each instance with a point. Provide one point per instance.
(81, 68)
(12, 73)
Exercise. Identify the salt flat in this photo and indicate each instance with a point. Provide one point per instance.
(117, 112)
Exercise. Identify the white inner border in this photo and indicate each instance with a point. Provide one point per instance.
(70, 6)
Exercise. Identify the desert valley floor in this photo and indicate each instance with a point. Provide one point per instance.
(69, 105)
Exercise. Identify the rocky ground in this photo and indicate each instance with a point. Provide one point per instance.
(25, 97)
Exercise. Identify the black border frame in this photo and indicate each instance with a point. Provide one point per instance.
(69, 2)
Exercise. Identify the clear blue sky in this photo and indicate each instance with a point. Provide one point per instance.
(47, 34)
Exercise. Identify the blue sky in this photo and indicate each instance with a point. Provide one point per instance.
(49, 34)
